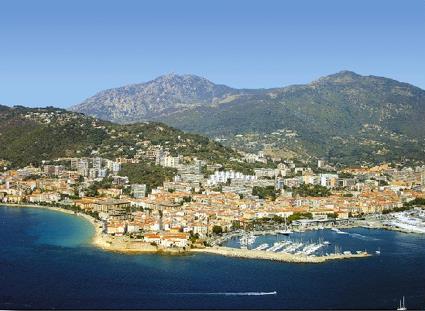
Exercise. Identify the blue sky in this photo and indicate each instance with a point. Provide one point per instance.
(60, 52)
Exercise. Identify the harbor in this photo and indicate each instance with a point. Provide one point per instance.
(297, 276)
(412, 221)
(278, 256)
(311, 246)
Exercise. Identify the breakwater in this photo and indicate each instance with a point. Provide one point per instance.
(258, 254)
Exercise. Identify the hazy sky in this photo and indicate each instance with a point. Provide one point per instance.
(60, 52)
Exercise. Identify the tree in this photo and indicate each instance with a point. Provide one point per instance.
(268, 192)
(187, 198)
(236, 224)
(345, 175)
(332, 215)
(193, 237)
(147, 173)
(312, 191)
(217, 229)
(298, 216)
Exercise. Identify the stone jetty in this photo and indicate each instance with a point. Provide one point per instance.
(257, 254)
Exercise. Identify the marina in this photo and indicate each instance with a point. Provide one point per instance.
(285, 246)
(325, 243)
(409, 221)
(170, 278)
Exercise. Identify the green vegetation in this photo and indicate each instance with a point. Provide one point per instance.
(147, 173)
(397, 209)
(280, 219)
(268, 192)
(236, 224)
(327, 116)
(219, 188)
(193, 237)
(406, 206)
(217, 229)
(30, 135)
(298, 216)
(70, 207)
(92, 190)
(382, 183)
(25, 140)
(416, 202)
(332, 215)
(311, 191)
(187, 199)
(345, 175)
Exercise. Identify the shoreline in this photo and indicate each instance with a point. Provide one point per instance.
(99, 240)
(125, 245)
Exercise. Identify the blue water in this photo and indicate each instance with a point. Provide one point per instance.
(46, 261)
(350, 240)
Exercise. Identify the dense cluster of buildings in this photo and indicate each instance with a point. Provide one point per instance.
(195, 204)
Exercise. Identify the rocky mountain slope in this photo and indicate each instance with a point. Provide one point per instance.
(344, 117)
(157, 98)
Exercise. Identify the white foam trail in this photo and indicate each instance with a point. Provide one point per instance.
(231, 293)
(363, 237)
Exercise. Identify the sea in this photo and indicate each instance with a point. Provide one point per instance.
(47, 262)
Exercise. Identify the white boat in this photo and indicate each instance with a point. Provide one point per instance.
(280, 246)
(402, 306)
(261, 247)
(338, 231)
(378, 252)
(243, 240)
(247, 239)
(285, 232)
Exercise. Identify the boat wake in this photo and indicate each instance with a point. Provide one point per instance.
(230, 293)
(362, 237)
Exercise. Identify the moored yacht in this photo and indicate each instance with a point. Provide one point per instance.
(285, 232)
(402, 306)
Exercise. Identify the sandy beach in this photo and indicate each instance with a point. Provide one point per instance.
(119, 244)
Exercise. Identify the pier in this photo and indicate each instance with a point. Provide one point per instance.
(279, 256)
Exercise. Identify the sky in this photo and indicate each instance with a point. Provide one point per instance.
(58, 53)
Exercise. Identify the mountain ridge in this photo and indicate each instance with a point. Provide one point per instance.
(173, 80)
(343, 116)
(160, 96)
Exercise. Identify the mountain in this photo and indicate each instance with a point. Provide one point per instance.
(344, 117)
(157, 98)
(31, 135)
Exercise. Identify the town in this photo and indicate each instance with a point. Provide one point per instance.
(195, 209)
